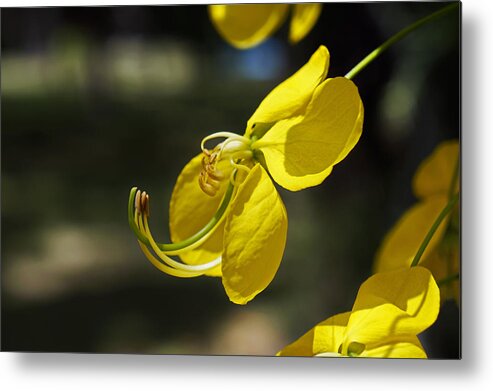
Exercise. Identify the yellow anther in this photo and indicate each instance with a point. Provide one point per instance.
(145, 204)
(142, 203)
(233, 150)
(209, 186)
(137, 201)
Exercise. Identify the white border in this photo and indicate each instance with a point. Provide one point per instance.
(474, 371)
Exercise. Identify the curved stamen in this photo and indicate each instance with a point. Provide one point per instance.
(139, 219)
(233, 177)
(227, 135)
(239, 166)
(139, 222)
(240, 155)
(137, 201)
(192, 241)
(241, 145)
(233, 145)
(234, 161)
(158, 264)
(164, 268)
(178, 265)
(206, 187)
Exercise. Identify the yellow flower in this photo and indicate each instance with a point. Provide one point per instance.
(225, 206)
(433, 184)
(390, 310)
(247, 25)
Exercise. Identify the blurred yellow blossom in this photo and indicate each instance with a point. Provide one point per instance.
(247, 25)
(433, 184)
(300, 130)
(390, 310)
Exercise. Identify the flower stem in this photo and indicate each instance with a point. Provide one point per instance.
(454, 179)
(397, 37)
(446, 210)
(448, 279)
(192, 239)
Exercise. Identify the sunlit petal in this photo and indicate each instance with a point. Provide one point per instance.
(254, 238)
(325, 337)
(291, 97)
(400, 347)
(190, 209)
(301, 151)
(397, 303)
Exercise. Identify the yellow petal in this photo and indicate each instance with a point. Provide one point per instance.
(325, 337)
(300, 151)
(393, 305)
(247, 25)
(404, 347)
(254, 237)
(190, 209)
(435, 173)
(292, 96)
(401, 244)
(303, 19)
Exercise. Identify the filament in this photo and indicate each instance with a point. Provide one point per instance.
(189, 243)
(227, 135)
(171, 267)
(158, 264)
(178, 265)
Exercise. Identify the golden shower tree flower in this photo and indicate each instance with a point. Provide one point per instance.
(247, 25)
(390, 310)
(226, 216)
(435, 181)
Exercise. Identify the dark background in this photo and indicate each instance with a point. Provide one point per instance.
(96, 100)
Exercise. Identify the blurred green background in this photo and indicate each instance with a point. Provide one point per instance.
(97, 100)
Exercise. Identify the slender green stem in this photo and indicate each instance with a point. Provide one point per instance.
(448, 279)
(397, 37)
(455, 176)
(446, 210)
(192, 239)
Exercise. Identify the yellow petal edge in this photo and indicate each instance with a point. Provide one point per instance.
(254, 238)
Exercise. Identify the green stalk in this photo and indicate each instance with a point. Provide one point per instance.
(446, 210)
(397, 37)
(192, 239)
(454, 179)
(448, 279)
